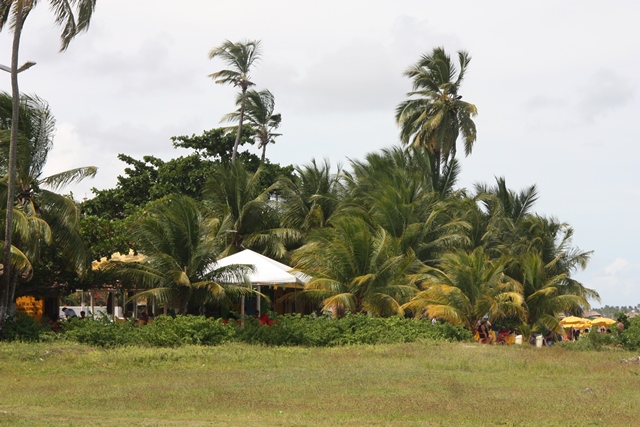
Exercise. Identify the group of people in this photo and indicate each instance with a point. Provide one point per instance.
(487, 334)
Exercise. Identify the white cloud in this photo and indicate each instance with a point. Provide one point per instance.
(616, 266)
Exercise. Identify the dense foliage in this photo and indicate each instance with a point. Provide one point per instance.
(288, 330)
(387, 237)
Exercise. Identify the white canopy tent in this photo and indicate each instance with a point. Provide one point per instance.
(267, 272)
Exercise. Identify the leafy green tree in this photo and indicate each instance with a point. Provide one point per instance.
(149, 179)
(357, 268)
(104, 236)
(74, 18)
(240, 57)
(217, 145)
(181, 241)
(152, 178)
(435, 115)
(260, 117)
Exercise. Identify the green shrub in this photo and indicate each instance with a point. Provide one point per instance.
(291, 330)
(100, 332)
(23, 327)
(288, 330)
(165, 331)
(594, 340)
(630, 337)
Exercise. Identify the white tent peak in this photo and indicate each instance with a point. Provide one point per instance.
(266, 270)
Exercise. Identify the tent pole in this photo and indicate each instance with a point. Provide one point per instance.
(242, 312)
(259, 305)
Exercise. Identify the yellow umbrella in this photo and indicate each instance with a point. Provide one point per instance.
(603, 321)
(575, 322)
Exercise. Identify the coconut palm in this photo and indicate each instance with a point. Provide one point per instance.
(259, 115)
(546, 294)
(181, 241)
(74, 18)
(249, 219)
(310, 199)
(240, 57)
(435, 115)
(357, 268)
(499, 215)
(467, 287)
(42, 215)
(395, 190)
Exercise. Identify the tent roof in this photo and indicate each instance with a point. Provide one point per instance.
(267, 271)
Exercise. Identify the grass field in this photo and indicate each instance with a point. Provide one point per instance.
(422, 384)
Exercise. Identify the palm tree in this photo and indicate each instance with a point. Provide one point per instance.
(74, 18)
(547, 294)
(310, 199)
(396, 190)
(181, 241)
(248, 217)
(260, 116)
(466, 287)
(435, 115)
(357, 268)
(240, 57)
(43, 216)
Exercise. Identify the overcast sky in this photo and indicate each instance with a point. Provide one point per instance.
(555, 84)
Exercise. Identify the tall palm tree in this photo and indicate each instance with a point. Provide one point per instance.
(43, 216)
(181, 241)
(74, 18)
(435, 115)
(240, 57)
(259, 115)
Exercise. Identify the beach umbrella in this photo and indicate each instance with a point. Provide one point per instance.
(575, 322)
(603, 321)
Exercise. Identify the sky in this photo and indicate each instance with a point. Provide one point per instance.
(556, 85)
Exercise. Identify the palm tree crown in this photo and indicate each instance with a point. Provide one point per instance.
(259, 114)
(435, 115)
(240, 57)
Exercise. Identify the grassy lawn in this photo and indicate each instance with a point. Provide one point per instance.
(391, 385)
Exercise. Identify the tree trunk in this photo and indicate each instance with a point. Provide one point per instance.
(240, 119)
(264, 151)
(6, 272)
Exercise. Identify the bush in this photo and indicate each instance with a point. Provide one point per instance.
(288, 330)
(308, 331)
(594, 340)
(630, 337)
(23, 327)
(186, 330)
(165, 331)
(100, 332)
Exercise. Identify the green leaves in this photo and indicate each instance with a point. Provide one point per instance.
(434, 115)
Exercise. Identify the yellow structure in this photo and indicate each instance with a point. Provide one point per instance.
(32, 306)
